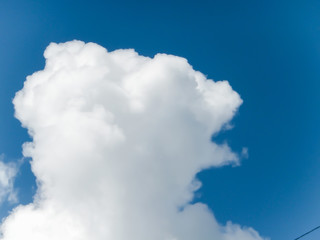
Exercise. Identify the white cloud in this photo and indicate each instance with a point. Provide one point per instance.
(8, 172)
(117, 141)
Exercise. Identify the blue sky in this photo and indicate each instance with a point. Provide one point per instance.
(269, 51)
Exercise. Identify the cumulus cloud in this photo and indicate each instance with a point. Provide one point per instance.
(8, 172)
(118, 139)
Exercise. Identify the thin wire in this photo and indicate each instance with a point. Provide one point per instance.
(307, 233)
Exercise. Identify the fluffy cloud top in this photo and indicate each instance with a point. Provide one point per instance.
(118, 139)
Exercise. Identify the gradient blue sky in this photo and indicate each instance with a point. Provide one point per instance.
(269, 51)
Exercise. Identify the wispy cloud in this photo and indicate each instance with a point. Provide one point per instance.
(8, 172)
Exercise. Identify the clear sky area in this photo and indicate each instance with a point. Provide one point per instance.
(268, 51)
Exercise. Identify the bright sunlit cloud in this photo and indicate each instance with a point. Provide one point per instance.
(118, 139)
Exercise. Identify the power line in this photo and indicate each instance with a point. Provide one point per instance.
(307, 233)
